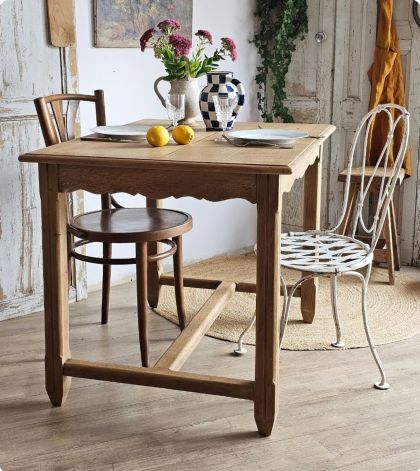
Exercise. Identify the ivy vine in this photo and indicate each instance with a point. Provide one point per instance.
(282, 23)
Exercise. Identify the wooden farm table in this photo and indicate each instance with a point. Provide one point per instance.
(215, 171)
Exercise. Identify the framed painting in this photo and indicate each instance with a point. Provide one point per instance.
(120, 23)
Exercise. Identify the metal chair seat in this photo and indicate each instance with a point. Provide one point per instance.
(323, 252)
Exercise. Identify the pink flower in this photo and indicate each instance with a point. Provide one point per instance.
(205, 35)
(167, 26)
(147, 35)
(181, 45)
(230, 46)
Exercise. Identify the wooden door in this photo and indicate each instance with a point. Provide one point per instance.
(28, 68)
(309, 88)
(355, 40)
(409, 217)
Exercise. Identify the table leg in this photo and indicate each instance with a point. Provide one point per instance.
(56, 306)
(154, 269)
(268, 296)
(311, 220)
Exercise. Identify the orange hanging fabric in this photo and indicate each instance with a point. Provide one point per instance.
(387, 80)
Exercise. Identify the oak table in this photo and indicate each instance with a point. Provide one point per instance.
(215, 171)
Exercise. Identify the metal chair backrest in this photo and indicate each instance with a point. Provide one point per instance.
(57, 114)
(385, 171)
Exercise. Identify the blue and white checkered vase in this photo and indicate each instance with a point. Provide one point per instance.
(220, 82)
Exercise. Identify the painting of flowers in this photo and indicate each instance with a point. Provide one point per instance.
(119, 23)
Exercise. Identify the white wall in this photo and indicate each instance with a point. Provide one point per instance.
(127, 77)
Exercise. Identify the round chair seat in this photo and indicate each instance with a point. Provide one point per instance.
(323, 252)
(130, 225)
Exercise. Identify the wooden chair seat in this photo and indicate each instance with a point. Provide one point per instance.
(356, 175)
(130, 225)
(139, 226)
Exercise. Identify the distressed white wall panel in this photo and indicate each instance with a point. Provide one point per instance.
(28, 68)
(20, 247)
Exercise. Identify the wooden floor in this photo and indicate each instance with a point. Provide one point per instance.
(330, 417)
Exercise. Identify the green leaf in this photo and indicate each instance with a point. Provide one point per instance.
(281, 24)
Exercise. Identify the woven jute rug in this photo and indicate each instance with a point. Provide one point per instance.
(394, 311)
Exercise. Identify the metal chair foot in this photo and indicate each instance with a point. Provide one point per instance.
(339, 344)
(239, 351)
(381, 386)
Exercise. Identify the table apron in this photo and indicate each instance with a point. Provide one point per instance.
(157, 184)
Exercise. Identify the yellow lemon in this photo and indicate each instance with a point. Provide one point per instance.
(183, 134)
(157, 136)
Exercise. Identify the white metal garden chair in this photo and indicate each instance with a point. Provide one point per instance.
(329, 254)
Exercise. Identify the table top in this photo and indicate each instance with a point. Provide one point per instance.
(202, 154)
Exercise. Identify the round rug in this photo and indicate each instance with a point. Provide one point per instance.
(394, 311)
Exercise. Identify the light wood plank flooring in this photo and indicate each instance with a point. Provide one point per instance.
(330, 417)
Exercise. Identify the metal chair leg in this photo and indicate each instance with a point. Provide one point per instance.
(333, 287)
(286, 308)
(383, 385)
(283, 320)
(241, 350)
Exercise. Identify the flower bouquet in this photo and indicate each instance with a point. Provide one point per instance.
(183, 67)
(173, 49)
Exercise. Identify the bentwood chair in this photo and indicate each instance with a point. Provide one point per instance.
(332, 255)
(114, 224)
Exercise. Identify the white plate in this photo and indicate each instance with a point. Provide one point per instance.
(128, 130)
(275, 136)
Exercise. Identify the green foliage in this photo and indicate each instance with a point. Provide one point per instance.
(282, 23)
(184, 67)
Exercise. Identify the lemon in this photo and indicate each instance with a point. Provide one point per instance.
(183, 134)
(157, 136)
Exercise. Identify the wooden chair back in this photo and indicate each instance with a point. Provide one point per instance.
(57, 117)
(385, 171)
(57, 114)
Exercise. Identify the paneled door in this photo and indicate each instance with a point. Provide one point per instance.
(355, 38)
(309, 88)
(328, 82)
(409, 35)
(28, 68)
